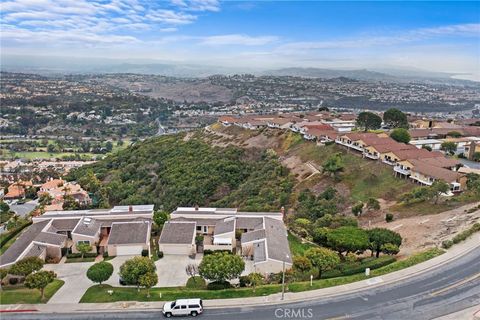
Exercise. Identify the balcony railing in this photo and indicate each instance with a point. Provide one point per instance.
(401, 170)
(371, 156)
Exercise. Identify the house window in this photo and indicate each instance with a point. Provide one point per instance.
(199, 228)
(83, 242)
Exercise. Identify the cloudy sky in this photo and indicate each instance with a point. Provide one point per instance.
(437, 36)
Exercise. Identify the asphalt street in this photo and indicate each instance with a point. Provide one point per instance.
(444, 290)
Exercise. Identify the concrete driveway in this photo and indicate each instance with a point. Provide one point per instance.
(171, 269)
(76, 281)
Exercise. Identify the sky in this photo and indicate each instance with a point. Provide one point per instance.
(437, 36)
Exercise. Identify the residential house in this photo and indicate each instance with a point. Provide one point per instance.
(122, 230)
(393, 157)
(260, 236)
(425, 174)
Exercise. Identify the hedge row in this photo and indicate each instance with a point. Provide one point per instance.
(79, 255)
(347, 269)
(10, 235)
(461, 236)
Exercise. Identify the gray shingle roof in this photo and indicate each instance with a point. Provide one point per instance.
(129, 232)
(277, 242)
(23, 241)
(64, 224)
(88, 227)
(249, 223)
(253, 235)
(224, 226)
(199, 221)
(35, 251)
(178, 232)
(51, 238)
(259, 252)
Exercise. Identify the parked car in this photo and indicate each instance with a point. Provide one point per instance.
(183, 307)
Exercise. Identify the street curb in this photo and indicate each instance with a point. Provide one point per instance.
(290, 297)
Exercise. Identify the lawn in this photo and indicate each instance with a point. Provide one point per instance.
(296, 246)
(24, 295)
(6, 154)
(99, 293)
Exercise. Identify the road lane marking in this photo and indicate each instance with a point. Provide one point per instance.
(435, 293)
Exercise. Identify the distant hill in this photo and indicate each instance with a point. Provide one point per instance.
(361, 74)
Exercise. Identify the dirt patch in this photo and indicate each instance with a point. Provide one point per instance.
(297, 167)
(425, 231)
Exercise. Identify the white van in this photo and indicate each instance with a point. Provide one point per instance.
(183, 307)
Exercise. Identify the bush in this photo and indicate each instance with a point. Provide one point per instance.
(244, 281)
(461, 236)
(219, 285)
(208, 251)
(144, 253)
(53, 260)
(196, 282)
(13, 281)
(389, 217)
(105, 255)
(100, 272)
(79, 255)
(160, 254)
(26, 266)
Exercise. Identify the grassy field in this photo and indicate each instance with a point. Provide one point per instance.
(296, 246)
(364, 178)
(99, 293)
(24, 295)
(6, 154)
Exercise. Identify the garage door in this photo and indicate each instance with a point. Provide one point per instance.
(129, 250)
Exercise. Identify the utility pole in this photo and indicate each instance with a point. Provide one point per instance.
(283, 279)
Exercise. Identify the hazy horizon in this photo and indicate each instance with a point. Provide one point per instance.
(247, 35)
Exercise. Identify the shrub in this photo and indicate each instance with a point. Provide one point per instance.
(351, 257)
(131, 270)
(100, 272)
(79, 255)
(53, 260)
(196, 282)
(13, 281)
(390, 248)
(461, 236)
(357, 208)
(221, 266)
(105, 255)
(26, 266)
(389, 217)
(160, 254)
(447, 244)
(144, 253)
(219, 285)
(244, 281)
(346, 269)
(208, 251)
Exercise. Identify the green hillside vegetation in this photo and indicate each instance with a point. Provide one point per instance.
(169, 172)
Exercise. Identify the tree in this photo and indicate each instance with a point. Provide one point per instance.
(439, 187)
(160, 217)
(373, 204)
(131, 270)
(302, 264)
(378, 237)
(100, 272)
(323, 259)
(109, 146)
(69, 203)
(255, 279)
(26, 266)
(368, 121)
(400, 135)
(454, 134)
(357, 209)
(83, 247)
(390, 249)
(221, 266)
(347, 239)
(320, 236)
(191, 270)
(333, 165)
(4, 207)
(395, 118)
(148, 280)
(449, 147)
(39, 280)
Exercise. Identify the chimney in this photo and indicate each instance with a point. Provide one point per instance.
(196, 207)
(130, 208)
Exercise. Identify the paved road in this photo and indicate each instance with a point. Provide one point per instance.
(447, 289)
(24, 209)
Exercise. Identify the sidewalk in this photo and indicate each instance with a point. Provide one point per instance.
(451, 254)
